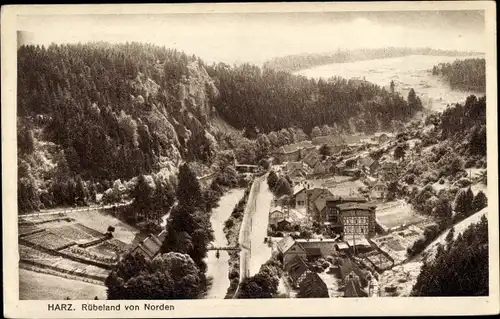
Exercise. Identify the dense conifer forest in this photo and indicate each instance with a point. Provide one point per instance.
(469, 74)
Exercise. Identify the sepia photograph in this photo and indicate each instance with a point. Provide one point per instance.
(279, 154)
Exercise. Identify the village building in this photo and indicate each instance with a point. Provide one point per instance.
(388, 170)
(288, 249)
(369, 165)
(350, 215)
(313, 287)
(246, 168)
(382, 138)
(276, 215)
(321, 247)
(353, 278)
(150, 246)
(312, 159)
(293, 152)
(309, 284)
(316, 202)
(379, 191)
(300, 198)
(284, 224)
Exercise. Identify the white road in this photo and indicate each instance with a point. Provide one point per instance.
(218, 269)
(260, 252)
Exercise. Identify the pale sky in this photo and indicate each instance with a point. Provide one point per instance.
(257, 37)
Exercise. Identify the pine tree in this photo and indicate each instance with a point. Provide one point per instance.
(480, 201)
(188, 188)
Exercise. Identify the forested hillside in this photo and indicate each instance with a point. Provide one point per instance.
(460, 267)
(90, 115)
(469, 74)
(306, 61)
(270, 100)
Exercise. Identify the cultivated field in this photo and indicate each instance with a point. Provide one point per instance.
(38, 286)
(397, 213)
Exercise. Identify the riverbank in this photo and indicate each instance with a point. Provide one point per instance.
(218, 266)
(232, 230)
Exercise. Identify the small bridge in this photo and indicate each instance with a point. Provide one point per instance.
(237, 247)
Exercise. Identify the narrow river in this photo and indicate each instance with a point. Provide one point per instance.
(218, 268)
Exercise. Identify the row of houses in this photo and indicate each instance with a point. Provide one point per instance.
(344, 215)
(294, 253)
(293, 256)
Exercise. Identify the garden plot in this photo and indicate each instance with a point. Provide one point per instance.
(396, 243)
(108, 248)
(48, 240)
(40, 286)
(397, 213)
(73, 233)
(62, 265)
(379, 260)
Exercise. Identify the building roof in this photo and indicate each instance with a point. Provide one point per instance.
(293, 165)
(379, 183)
(341, 246)
(351, 206)
(285, 244)
(367, 161)
(300, 190)
(353, 289)
(347, 267)
(346, 199)
(313, 287)
(315, 240)
(150, 246)
(357, 241)
(313, 251)
(296, 267)
(291, 148)
(276, 209)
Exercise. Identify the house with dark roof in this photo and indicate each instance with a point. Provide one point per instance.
(312, 286)
(369, 165)
(317, 247)
(277, 214)
(307, 281)
(297, 270)
(353, 289)
(312, 159)
(353, 278)
(150, 246)
(316, 202)
(288, 249)
(349, 270)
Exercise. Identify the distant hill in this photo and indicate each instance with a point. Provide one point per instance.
(299, 62)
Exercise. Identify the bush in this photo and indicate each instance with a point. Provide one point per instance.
(463, 182)
(410, 179)
(429, 177)
(441, 181)
(470, 163)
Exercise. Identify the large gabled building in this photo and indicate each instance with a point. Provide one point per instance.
(350, 216)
